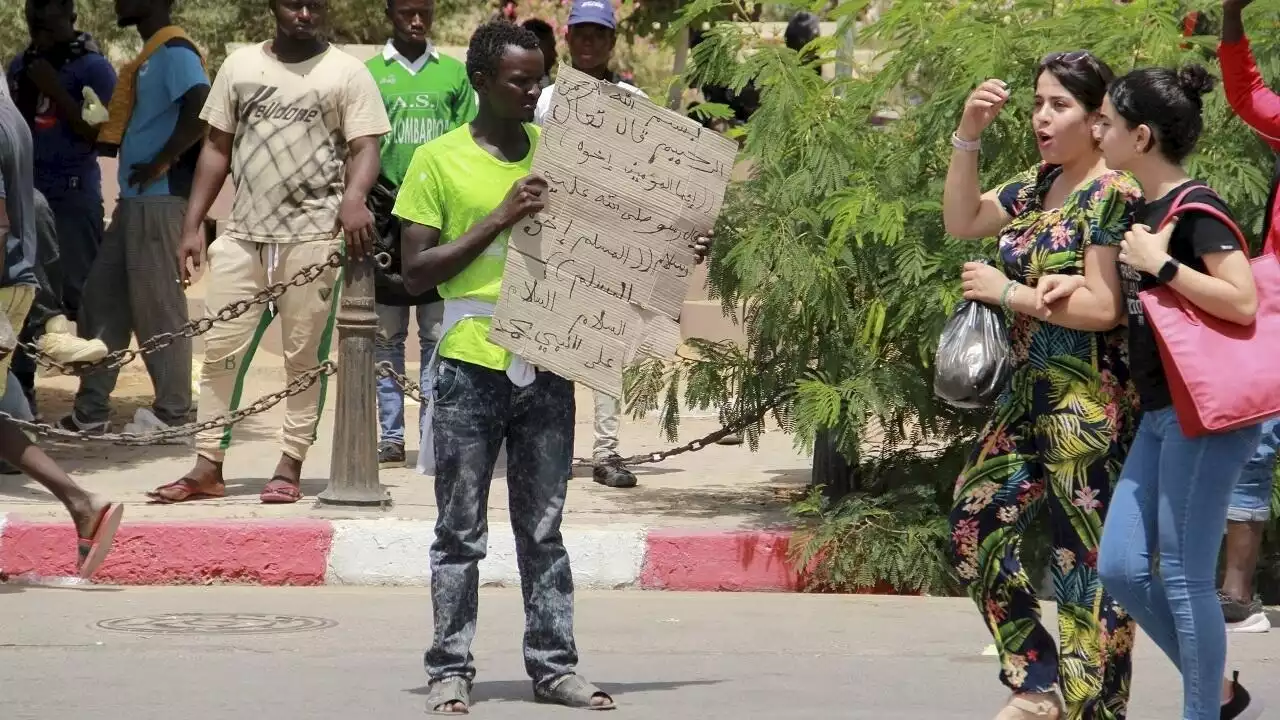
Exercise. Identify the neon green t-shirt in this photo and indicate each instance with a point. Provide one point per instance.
(452, 184)
(421, 105)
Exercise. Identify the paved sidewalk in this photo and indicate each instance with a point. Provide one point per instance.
(708, 520)
(720, 487)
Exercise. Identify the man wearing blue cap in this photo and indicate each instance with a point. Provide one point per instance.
(592, 35)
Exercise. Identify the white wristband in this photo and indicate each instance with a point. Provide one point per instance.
(963, 145)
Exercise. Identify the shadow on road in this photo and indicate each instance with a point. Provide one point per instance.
(522, 690)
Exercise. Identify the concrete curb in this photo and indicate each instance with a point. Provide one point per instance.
(395, 552)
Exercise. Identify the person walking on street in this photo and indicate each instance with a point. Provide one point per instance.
(1159, 549)
(426, 94)
(1061, 430)
(463, 193)
(592, 35)
(96, 518)
(133, 287)
(296, 122)
(1250, 508)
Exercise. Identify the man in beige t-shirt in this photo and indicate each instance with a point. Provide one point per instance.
(296, 122)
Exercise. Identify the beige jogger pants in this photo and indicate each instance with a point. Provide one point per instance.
(237, 270)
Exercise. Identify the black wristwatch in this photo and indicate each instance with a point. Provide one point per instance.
(1168, 271)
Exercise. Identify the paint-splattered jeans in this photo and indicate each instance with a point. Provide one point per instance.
(475, 410)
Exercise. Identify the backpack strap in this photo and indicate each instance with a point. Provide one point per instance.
(1179, 208)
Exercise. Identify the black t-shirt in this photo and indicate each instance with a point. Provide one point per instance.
(1197, 234)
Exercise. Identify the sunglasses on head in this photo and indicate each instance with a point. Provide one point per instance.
(1067, 57)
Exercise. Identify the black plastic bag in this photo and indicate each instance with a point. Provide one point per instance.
(973, 363)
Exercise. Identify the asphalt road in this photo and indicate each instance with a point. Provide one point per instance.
(357, 653)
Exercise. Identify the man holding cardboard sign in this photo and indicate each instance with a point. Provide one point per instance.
(463, 194)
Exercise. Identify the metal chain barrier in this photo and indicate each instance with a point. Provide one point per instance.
(414, 390)
(306, 380)
(410, 388)
(231, 311)
(299, 384)
(710, 438)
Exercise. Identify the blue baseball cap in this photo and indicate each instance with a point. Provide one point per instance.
(597, 12)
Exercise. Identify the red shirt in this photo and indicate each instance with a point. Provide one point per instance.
(1256, 105)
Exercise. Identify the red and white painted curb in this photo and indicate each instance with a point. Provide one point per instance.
(395, 552)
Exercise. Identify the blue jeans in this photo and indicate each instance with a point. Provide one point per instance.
(14, 401)
(1251, 498)
(476, 410)
(1170, 508)
(388, 346)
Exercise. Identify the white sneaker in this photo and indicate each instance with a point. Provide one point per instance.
(145, 421)
(62, 345)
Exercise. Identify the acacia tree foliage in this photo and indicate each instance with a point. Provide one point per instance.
(834, 255)
(214, 23)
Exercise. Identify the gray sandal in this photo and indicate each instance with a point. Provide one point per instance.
(574, 691)
(447, 691)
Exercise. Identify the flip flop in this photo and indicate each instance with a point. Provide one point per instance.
(279, 491)
(184, 489)
(93, 549)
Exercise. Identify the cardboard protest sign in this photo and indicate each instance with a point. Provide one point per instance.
(600, 275)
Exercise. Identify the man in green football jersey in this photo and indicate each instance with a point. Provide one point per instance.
(427, 95)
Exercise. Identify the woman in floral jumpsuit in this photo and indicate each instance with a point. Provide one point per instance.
(1062, 427)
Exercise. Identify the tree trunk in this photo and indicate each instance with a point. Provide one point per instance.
(831, 469)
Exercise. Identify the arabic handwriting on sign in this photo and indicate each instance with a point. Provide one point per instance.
(547, 340)
(561, 261)
(518, 329)
(626, 127)
(693, 133)
(572, 92)
(588, 154)
(669, 262)
(639, 216)
(594, 241)
(613, 92)
(598, 322)
(543, 297)
(570, 186)
(610, 201)
(601, 361)
(684, 158)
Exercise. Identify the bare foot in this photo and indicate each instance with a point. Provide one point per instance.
(289, 468)
(202, 481)
(85, 513)
(1030, 706)
(453, 707)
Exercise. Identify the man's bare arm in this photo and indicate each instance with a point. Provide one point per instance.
(354, 218)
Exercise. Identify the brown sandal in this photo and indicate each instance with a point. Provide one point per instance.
(184, 489)
(280, 491)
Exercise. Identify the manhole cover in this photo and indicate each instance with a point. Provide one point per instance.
(216, 624)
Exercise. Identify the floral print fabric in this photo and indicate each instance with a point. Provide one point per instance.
(1057, 441)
